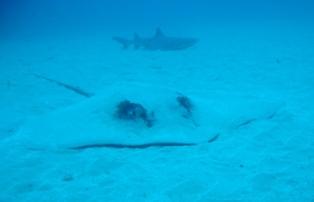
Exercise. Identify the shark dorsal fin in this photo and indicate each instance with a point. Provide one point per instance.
(159, 33)
(136, 41)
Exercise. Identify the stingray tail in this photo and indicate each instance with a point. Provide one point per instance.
(72, 88)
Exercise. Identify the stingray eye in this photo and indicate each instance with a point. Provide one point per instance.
(130, 113)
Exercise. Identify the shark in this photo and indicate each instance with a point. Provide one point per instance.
(159, 41)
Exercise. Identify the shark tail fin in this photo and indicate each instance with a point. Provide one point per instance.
(124, 42)
(136, 41)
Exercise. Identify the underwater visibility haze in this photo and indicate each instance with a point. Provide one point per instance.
(155, 100)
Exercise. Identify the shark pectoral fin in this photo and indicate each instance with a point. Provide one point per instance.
(124, 42)
(125, 46)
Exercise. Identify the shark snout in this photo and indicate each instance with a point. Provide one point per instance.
(192, 42)
(187, 43)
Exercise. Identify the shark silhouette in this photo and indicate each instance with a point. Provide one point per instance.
(158, 42)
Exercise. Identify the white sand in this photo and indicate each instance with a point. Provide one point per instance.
(232, 77)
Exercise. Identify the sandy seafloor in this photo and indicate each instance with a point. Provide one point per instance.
(266, 160)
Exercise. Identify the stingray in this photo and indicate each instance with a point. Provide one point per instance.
(92, 122)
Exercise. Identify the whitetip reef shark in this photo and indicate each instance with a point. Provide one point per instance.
(159, 41)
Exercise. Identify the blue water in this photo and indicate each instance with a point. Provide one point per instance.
(58, 15)
(156, 100)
